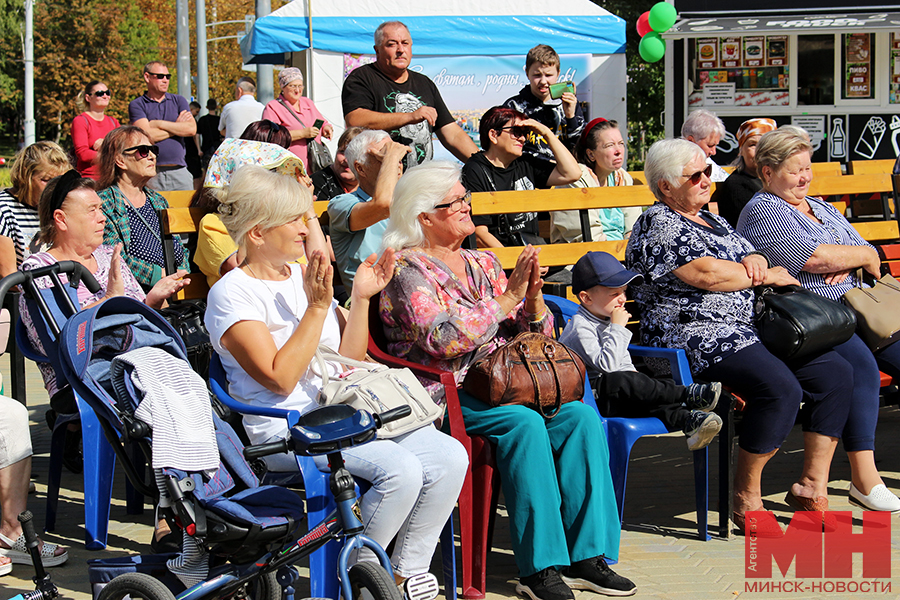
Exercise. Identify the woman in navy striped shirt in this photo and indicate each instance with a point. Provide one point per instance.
(815, 243)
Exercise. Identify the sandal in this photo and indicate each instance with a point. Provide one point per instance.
(5, 568)
(18, 553)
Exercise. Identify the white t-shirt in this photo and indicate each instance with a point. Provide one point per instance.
(237, 115)
(239, 297)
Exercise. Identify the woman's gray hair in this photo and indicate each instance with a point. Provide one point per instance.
(701, 124)
(419, 190)
(777, 146)
(259, 197)
(666, 160)
(358, 150)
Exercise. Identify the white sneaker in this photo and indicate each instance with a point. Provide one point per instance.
(880, 498)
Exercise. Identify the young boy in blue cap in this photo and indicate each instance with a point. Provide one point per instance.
(598, 334)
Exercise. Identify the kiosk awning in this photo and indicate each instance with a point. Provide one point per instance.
(783, 24)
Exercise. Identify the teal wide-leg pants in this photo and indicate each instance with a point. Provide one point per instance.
(556, 482)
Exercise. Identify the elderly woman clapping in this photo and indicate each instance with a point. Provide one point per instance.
(267, 317)
(815, 243)
(697, 295)
(127, 163)
(72, 227)
(447, 307)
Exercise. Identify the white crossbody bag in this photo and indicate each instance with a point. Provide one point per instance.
(375, 388)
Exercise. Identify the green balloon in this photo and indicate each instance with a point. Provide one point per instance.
(652, 47)
(662, 16)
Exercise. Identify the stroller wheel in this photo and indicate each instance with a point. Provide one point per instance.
(369, 581)
(135, 585)
(264, 587)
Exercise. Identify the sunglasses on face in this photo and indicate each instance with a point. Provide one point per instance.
(695, 177)
(101, 93)
(143, 151)
(517, 131)
(161, 75)
(457, 205)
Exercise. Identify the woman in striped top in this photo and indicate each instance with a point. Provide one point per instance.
(34, 166)
(815, 243)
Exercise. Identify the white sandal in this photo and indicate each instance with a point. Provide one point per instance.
(19, 555)
(6, 569)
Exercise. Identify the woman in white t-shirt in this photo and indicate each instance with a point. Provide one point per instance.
(266, 318)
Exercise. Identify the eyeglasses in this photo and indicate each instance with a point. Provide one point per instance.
(101, 93)
(517, 131)
(294, 88)
(695, 177)
(457, 205)
(161, 75)
(143, 151)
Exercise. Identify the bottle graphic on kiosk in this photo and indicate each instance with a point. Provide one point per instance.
(838, 143)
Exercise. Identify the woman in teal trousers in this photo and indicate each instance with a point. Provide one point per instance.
(447, 307)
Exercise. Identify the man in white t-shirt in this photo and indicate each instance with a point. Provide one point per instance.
(244, 110)
(706, 130)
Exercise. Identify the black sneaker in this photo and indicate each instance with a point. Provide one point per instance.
(703, 396)
(544, 585)
(595, 575)
(700, 429)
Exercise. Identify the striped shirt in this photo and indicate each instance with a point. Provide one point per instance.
(20, 223)
(788, 237)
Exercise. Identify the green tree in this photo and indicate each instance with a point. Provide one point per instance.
(12, 21)
(646, 83)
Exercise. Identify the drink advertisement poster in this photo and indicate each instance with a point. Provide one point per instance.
(859, 65)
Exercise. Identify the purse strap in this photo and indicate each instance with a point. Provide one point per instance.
(526, 355)
(291, 110)
(324, 354)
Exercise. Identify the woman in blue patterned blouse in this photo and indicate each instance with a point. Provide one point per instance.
(697, 295)
(816, 244)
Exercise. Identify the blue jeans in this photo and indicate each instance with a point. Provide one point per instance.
(416, 479)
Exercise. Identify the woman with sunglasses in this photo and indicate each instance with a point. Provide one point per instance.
(697, 294)
(127, 163)
(601, 156)
(500, 166)
(90, 127)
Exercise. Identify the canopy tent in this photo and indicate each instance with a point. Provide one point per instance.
(447, 28)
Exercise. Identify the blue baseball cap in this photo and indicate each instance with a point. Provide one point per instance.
(600, 268)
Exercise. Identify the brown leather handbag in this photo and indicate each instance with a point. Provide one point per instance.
(532, 370)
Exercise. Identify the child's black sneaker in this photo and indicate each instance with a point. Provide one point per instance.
(703, 396)
(544, 585)
(700, 429)
(595, 575)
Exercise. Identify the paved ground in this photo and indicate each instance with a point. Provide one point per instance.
(659, 552)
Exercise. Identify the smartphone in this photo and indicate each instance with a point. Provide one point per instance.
(558, 89)
(318, 124)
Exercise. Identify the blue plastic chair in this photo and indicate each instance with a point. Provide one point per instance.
(622, 433)
(319, 500)
(99, 457)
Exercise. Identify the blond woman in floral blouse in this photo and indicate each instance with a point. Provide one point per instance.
(447, 307)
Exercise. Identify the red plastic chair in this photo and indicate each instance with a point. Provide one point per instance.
(481, 488)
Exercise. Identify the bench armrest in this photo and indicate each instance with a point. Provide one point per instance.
(681, 371)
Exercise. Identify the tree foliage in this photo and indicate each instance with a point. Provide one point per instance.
(646, 83)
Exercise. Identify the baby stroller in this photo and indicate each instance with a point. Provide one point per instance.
(239, 536)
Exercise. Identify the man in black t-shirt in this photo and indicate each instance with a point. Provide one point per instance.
(208, 130)
(387, 95)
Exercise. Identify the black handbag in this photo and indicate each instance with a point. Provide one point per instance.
(186, 317)
(794, 323)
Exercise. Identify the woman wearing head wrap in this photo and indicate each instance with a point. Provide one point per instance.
(297, 113)
(735, 192)
(216, 252)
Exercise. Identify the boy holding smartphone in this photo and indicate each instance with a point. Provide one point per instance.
(546, 101)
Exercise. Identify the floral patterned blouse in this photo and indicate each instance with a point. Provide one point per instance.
(431, 318)
(709, 326)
